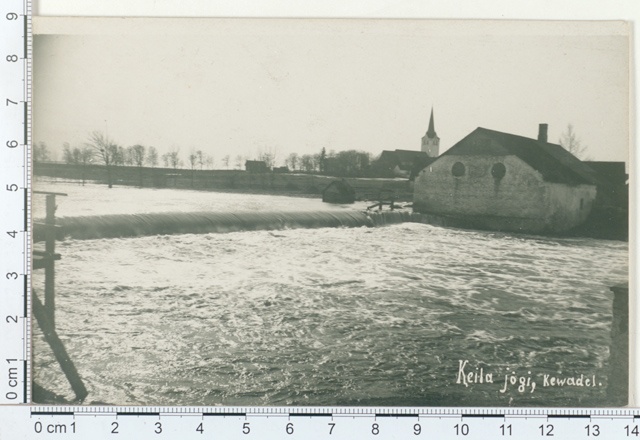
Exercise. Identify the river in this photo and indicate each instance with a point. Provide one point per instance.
(329, 316)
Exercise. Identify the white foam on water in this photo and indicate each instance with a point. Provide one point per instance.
(329, 316)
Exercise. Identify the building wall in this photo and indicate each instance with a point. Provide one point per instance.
(519, 201)
(397, 172)
(431, 146)
(569, 205)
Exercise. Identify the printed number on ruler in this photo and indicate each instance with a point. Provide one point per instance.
(15, 169)
(441, 423)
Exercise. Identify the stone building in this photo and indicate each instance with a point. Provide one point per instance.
(501, 181)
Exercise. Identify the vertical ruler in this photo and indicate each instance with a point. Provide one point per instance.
(15, 172)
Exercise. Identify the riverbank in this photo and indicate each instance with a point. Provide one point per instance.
(604, 223)
(229, 181)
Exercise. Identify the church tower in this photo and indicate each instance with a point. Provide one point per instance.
(431, 141)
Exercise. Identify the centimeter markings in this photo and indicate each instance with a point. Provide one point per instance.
(28, 70)
(15, 157)
(316, 423)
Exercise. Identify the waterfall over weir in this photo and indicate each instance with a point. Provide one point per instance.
(136, 225)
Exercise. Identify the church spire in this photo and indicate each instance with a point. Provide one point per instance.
(431, 141)
(431, 132)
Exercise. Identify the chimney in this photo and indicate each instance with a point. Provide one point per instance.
(542, 132)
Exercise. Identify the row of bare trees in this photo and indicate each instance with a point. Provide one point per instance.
(101, 149)
(346, 163)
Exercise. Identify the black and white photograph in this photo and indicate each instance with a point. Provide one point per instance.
(330, 212)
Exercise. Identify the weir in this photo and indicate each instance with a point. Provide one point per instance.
(138, 225)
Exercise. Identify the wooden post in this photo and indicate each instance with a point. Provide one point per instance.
(618, 383)
(50, 249)
(42, 316)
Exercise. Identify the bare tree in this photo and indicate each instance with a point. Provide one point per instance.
(85, 156)
(308, 163)
(40, 152)
(200, 157)
(322, 160)
(128, 156)
(152, 157)
(225, 161)
(292, 161)
(78, 156)
(68, 154)
(239, 162)
(173, 159)
(120, 157)
(194, 157)
(193, 160)
(208, 161)
(570, 142)
(268, 157)
(106, 150)
(137, 155)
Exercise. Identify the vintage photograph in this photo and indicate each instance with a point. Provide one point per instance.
(330, 212)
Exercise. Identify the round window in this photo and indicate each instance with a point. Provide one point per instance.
(458, 169)
(498, 170)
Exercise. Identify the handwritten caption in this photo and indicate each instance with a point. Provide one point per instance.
(522, 383)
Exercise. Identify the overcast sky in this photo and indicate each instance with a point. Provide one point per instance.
(238, 87)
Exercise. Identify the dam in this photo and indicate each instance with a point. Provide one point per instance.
(136, 225)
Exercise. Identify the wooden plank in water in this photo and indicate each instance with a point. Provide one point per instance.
(51, 336)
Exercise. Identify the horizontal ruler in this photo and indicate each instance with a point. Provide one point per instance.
(316, 423)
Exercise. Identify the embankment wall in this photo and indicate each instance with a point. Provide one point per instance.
(224, 180)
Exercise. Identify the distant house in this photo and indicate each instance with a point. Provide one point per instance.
(401, 163)
(281, 170)
(256, 166)
(339, 191)
(614, 188)
(501, 181)
(614, 172)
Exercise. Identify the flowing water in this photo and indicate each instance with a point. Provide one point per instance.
(330, 316)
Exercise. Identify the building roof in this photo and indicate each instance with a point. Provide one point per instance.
(405, 159)
(614, 172)
(551, 160)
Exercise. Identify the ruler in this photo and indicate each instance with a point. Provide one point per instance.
(15, 164)
(317, 423)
